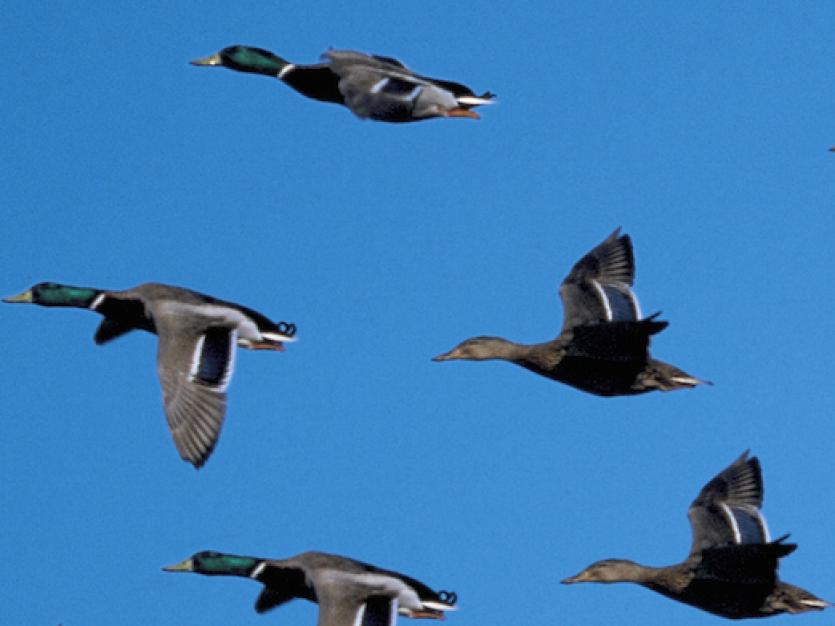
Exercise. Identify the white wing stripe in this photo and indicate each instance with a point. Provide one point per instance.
(393, 612)
(763, 526)
(729, 516)
(638, 314)
(379, 85)
(195, 358)
(603, 299)
(230, 364)
(414, 93)
(359, 616)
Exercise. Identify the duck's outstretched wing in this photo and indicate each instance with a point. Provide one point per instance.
(382, 88)
(389, 61)
(598, 287)
(371, 92)
(727, 509)
(466, 97)
(195, 366)
(614, 341)
(747, 564)
(340, 608)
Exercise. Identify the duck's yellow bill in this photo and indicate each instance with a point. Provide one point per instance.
(210, 60)
(185, 566)
(26, 296)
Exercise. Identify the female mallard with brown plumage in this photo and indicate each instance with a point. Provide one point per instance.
(603, 347)
(732, 567)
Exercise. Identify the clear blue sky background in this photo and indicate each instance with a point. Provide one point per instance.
(702, 131)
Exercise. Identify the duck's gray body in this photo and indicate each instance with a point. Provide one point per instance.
(382, 88)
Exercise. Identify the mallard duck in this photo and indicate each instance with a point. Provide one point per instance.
(603, 347)
(374, 87)
(347, 591)
(732, 567)
(196, 355)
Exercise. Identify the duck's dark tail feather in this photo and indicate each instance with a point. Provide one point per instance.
(666, 377)
(787, 598)
(653, 325)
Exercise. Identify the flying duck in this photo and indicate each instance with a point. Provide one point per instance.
(348, 592)
(196, 356)
(373, 87)
(603, 347)
(731, 570)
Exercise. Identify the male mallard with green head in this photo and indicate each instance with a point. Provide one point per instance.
(348, 592)
(196, 355)
(373, 87)
(603, 347)
(732, 567)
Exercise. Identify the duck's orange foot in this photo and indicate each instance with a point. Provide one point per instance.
(461, 112)
(426, 614)
(266, 345)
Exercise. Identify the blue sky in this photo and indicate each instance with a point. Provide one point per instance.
(702, 131)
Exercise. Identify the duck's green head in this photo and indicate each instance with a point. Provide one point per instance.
(216, 564)
(54, 294)
(245, 59)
